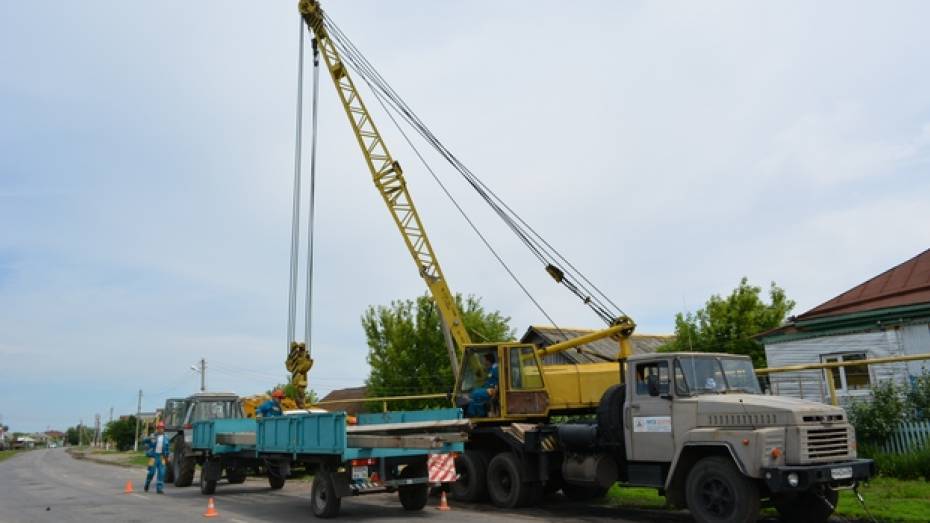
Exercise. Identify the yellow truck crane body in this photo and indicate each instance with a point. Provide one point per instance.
(527, 389)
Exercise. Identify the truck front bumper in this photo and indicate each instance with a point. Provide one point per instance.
(799, 478)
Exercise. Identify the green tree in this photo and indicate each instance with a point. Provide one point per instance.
(728, 324)
(918, 397)
(72, 436)
(122, 432)
(877, 418)
(407, 350)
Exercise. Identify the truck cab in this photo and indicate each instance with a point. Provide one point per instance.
(698, 427)
(180, 415)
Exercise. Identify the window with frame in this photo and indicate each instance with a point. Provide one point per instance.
(656, 369)
(854, 377)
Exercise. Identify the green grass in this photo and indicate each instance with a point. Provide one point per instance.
(137, 458)
(888, 499)
(4, 454)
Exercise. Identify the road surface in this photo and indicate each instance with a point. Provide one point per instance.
(50, 486)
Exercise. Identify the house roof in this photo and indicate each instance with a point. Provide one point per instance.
(352, 393)
(606, 348)
(904, 284)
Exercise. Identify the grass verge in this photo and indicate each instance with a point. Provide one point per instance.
(888, 499)
(4, 454)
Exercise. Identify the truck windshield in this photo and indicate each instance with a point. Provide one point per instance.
(708, 375)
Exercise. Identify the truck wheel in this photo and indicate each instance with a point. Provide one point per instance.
(472, 485)
(580, 493)
(413, 497)
(235, 475)
(169, 471)
(505, 481)
(275, 478)
(610, 419)
(807, 507)
(184, 467)
(207, 486)
(717, 492)
(323, 499)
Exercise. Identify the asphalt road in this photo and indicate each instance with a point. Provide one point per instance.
(49, 485)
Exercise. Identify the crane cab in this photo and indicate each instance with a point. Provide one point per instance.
(501, 381)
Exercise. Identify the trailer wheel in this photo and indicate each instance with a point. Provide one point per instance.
(413, 497)
(505, 481)
(276, 478)
(807, 507)
(580, 493)
(472, 485)
(717, 492)
(169, 471)
(323, 499)
(207, 486)
(235, 475)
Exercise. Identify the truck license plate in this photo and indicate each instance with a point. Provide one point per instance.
(360, 472)
(841, 473)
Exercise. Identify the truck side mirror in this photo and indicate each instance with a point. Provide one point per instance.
(652, 383)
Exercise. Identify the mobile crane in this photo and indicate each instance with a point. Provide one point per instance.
(687, 424)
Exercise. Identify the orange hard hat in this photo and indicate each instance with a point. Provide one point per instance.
(277, 394)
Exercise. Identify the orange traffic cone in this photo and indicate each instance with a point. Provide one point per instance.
(211, 510)
(128, 488)
(443, 504)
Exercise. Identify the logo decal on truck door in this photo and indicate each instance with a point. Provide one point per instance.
(652, 424)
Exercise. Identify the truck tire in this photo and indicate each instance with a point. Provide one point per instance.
(581, 493)
(610, 420)
(169, 471)
(235, 475)
(807, 507)
(276, 479)
(413, 497)
(505, 481)
(717, 492)
(472, 485)
(184, 467)
(323, 499)
(207, 487)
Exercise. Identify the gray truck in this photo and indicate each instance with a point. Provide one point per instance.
(180, 415)
(695, 426)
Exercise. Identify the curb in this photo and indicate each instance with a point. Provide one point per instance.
(78, 454)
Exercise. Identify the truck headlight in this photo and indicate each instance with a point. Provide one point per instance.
(792, 479)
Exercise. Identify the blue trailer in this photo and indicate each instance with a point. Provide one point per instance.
(382, 452)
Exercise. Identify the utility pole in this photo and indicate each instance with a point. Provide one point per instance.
(135, 443)
(96, 430)
(203, 375)
(81, 433)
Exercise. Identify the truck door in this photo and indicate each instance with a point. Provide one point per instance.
(650, 413)
(524, 389)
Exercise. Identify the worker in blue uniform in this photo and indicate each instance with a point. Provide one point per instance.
(481, 396)
(272, 407)
(156, 449)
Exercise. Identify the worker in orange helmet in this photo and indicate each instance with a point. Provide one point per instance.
(156, 449)
(272, 407)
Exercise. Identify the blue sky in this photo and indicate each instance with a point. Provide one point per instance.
(146, 155)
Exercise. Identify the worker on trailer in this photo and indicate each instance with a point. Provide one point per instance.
(156, 449)
(480, 397)
(272, 407)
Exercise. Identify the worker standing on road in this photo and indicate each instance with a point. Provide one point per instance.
(272, 407)
(156, 449)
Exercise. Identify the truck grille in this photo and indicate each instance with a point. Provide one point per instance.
(824, 444)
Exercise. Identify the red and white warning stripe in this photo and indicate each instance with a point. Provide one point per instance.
(441, 468)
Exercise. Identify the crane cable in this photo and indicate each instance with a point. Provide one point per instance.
(295, 210)
(571, 278)
(313, 133)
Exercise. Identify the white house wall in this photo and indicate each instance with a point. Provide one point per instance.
(811, 385)
(915, 339)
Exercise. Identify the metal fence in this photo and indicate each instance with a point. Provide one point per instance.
(909, 437)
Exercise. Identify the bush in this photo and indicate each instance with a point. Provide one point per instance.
(876, 419)
(913, 465)
(918, 397)
(122, 432)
